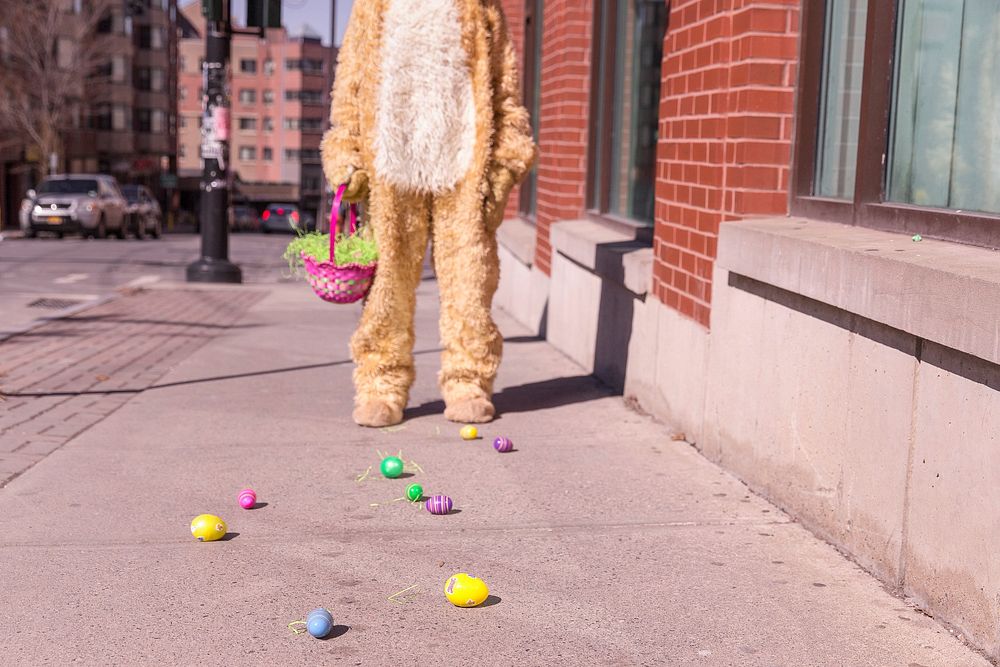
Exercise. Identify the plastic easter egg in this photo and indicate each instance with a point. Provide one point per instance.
(414, 492)
(319, 622)
(208, 528)
(465, 591)
(392, 467)
(438, 504)
(503, 444)
(247, 498)
(469, 433)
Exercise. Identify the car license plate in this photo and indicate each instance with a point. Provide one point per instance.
(55, 220)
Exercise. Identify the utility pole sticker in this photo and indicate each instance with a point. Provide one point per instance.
(215, 117)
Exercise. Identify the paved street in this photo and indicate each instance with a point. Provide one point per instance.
(77, 271)
(604, 542)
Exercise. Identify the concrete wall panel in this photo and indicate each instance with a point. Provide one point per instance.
(950, 559)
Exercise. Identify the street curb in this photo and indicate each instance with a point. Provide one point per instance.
(141, 282)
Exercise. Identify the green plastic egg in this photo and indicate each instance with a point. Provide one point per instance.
(392, 467)
(414, 492)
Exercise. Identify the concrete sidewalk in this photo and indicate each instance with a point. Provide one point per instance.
(604, 541)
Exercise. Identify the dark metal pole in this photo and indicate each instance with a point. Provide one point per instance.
(214, 265)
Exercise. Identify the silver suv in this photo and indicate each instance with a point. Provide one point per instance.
(91, 204)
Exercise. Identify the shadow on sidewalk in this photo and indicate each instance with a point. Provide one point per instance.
(543, 395)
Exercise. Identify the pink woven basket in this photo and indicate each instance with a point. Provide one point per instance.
(339, 284)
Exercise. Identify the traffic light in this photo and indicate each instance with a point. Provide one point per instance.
(263, 14)
(212, 10)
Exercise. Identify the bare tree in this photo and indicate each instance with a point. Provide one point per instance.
(50, 50)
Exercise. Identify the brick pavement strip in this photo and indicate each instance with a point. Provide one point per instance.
(65, 376)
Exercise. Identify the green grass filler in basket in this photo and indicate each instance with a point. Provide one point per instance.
(348, 277)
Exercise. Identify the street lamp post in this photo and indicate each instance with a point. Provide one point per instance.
(214, 265)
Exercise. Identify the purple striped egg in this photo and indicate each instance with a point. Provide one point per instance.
(438, 504)
(503, 444)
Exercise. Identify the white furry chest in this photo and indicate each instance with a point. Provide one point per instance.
(425, 125)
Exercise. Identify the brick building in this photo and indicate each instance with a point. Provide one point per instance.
(279, 104)
(773, 223)
(126, 126)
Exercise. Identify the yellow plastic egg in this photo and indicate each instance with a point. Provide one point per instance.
(208, 528)
(465, 591)
(469, 432)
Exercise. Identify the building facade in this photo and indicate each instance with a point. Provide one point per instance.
(280, 99)
(773, 224)
(126, 124)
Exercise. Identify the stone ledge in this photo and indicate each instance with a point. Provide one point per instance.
(518, 236)
(611, 252)
(939, 291)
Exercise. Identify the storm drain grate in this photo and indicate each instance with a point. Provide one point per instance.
(55, 304)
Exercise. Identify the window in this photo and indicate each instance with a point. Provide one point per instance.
(142, 78)
(268, 124)
(143, 120)
(302, 154)
(528, 204)
(269, 67)
(182, 92)
(65, 53)
(268, 96)
(149, 37)
(181, 150)
(100, 119)
(248, 123)
(304, 96)
(625, 107)
(146, 78)
(248, 153)
(157, 120)
(119, 118)
(305, 65)
(248, 66)
(304, 124)
(268, 154)
(248, 96)
(897, 114)
(182, 121)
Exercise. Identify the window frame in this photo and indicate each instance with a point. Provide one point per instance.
(869, 207)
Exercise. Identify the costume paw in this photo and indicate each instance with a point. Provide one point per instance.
(376, 414)
(470, 411)
(357, 186)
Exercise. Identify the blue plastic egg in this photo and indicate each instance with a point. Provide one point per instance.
(319, 623)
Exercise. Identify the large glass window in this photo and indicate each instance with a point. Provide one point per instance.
(945, 139)
(626, 103)
(840, 104)
(532, 77)
(899, 117)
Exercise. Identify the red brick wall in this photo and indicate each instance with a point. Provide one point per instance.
(725, 134)
(562, 127)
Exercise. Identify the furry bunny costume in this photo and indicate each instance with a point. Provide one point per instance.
(427, 123)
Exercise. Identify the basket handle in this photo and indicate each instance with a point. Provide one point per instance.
(335, 218)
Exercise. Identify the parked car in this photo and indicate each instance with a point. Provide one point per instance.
(91, 204)
(243, 219)
(285, 218)
(144, 211)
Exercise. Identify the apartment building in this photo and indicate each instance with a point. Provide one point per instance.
(279, 104)
(126, 125)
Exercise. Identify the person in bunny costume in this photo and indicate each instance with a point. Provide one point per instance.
(427, 124)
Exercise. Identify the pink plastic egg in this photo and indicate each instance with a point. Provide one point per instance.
(247, 498)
